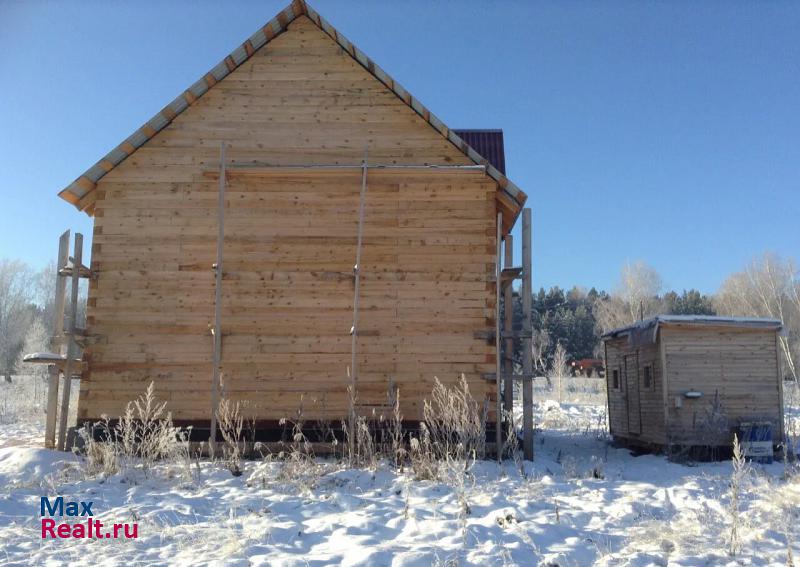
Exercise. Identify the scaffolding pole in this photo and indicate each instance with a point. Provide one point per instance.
(56, 341)
(69, 338)
(508, 327)
(217, 358)
(356, 296)
(527, 354)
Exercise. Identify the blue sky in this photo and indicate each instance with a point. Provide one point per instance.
(663, 132)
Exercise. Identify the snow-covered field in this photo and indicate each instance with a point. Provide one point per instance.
(582, 502)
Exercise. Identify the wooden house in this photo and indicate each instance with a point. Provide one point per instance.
(692, 380)
(294, 216)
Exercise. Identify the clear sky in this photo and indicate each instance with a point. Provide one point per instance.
(666, 132)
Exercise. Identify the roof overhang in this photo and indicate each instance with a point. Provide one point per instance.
(80, 192)
(646, 332)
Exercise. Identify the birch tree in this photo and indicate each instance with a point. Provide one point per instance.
(559, 369)
(16, 311)
(635, 297)
(767, 287)
(37, 339)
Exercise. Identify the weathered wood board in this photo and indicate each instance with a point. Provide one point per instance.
(736, 371)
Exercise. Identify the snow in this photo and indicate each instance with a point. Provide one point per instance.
(42, 356)
(581, 502)
(695, 319)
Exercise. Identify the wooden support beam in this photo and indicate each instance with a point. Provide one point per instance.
(491, 376)
(488, 335)
(351, 424)
(498, 381)
(508, 329)
(83, 272)
(527, 355)
(55, 342)
(508, 275)
(256, 169)
(71, 353)
(217, 356)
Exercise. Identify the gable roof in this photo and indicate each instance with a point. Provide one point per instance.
(510, 196)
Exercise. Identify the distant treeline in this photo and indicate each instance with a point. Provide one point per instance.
(575, 319)
(567, 325)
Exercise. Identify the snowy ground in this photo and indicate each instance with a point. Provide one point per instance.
(582, 502)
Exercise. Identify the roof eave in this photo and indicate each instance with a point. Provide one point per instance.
(78, 192)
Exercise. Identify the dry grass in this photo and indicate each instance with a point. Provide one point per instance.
(231, 426)
(144, 435)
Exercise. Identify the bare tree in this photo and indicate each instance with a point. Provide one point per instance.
(16, 311)
(636, 297)
(768, 287)
(611, 313)
(45, 294)
(559, 369)
(540, 343)
(37, 339)
(639, 287)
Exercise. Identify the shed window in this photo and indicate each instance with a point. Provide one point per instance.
(648, 376)
(615, 379)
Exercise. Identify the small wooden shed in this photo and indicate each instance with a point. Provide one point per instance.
(693, 380)
(302, 205)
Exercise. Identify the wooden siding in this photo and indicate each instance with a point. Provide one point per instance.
(427, 266)
(738, 365)
(650, 402)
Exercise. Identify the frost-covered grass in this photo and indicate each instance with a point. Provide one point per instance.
(24, 399)
(581, 502)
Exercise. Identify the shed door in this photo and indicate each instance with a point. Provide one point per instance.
(632, 393)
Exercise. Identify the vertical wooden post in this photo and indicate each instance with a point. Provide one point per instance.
(498, 284)
(527, 355)
(69, 336)
(215, 377)
(508, 327)
(351, 422)
(56, 342)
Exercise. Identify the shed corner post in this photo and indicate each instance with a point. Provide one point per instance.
(609, 386)
(779, 363)
(527, 355)
(662, 350)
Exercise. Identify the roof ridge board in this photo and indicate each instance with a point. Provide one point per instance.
(86, 182)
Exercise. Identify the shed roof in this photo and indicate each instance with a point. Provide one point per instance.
(641, 327)
(509, 195)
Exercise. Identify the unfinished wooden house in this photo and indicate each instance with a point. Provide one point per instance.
(691, 381)
(292, 225)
